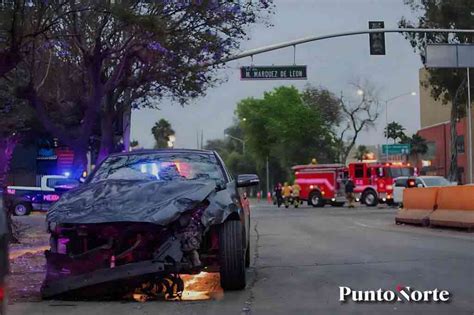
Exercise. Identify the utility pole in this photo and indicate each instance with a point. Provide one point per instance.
(268, 177)
(469, 130)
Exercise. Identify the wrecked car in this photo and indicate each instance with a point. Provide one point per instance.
(4, 236)
(146, 217)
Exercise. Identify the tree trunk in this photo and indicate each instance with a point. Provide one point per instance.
(107, 136)
(79, 163)
(7, 146)
(453, 166)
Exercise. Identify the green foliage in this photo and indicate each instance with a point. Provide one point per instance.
(162, 131)
(325, 102)
(395, 131)
(361, 152)
(231, 151)
(282, 127)
(441, 14)
(418, 145)
(448, 85)
(134, 143)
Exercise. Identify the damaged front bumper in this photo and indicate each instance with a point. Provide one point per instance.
(167, 261)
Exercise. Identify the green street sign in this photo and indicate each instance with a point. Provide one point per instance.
(273, 73)
(395, 149)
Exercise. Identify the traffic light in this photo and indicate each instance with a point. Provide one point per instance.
(377, 40)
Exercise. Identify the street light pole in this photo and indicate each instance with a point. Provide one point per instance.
(238, 139)
(386, 118)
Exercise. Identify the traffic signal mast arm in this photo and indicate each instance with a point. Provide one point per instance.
(308, 39)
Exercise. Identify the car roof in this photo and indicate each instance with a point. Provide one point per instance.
(152, 151)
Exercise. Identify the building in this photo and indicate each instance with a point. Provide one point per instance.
(435, 128)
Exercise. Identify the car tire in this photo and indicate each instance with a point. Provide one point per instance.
(247, 256)
(231, 256)
(370, 199)
(315, 199)
(22, 209)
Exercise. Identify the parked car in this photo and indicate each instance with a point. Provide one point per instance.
(146, 216)
(21, 200)
(3, 255)
(421, 181)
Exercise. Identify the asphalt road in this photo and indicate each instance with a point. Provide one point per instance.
(302, 256)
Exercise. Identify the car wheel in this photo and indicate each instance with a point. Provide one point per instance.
(315, 199)
(232, 259)
(22, 209)
(247, 256)
(370, 199)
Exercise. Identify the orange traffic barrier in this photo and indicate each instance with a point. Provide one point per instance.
(418, 204)
(455, 207)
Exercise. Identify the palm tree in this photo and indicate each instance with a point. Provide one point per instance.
(395, 131)
(361, 152)
(162, 132)
(418, 145)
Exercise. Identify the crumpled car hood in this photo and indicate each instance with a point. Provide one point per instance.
(142, 201)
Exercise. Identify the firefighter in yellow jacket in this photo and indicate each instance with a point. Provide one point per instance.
(295, 194)
(286, 192)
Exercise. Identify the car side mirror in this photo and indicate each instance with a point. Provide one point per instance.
(247, 180)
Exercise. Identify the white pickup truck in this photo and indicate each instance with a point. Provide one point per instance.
(21, 200)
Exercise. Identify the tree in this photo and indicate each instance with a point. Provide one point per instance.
(395, 131)
(324, 102)
(418, 146)
(447, 85)
(231, 151)
(283, 129)
(361, 152)
(189, 37)
(134, 143)
(162, 132)
(356, 117)
(102, 58)
(22, 23)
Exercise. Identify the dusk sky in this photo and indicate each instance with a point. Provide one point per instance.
(332, 63)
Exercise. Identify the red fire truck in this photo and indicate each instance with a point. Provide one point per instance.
(374, 180)
(324, 183)
(321, 183)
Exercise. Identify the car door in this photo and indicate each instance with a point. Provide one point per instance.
(398, 188)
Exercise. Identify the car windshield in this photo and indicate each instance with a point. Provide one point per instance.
(400, 171)
(161, 167)
(436, 181)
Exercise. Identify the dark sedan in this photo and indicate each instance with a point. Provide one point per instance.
(146, 217)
